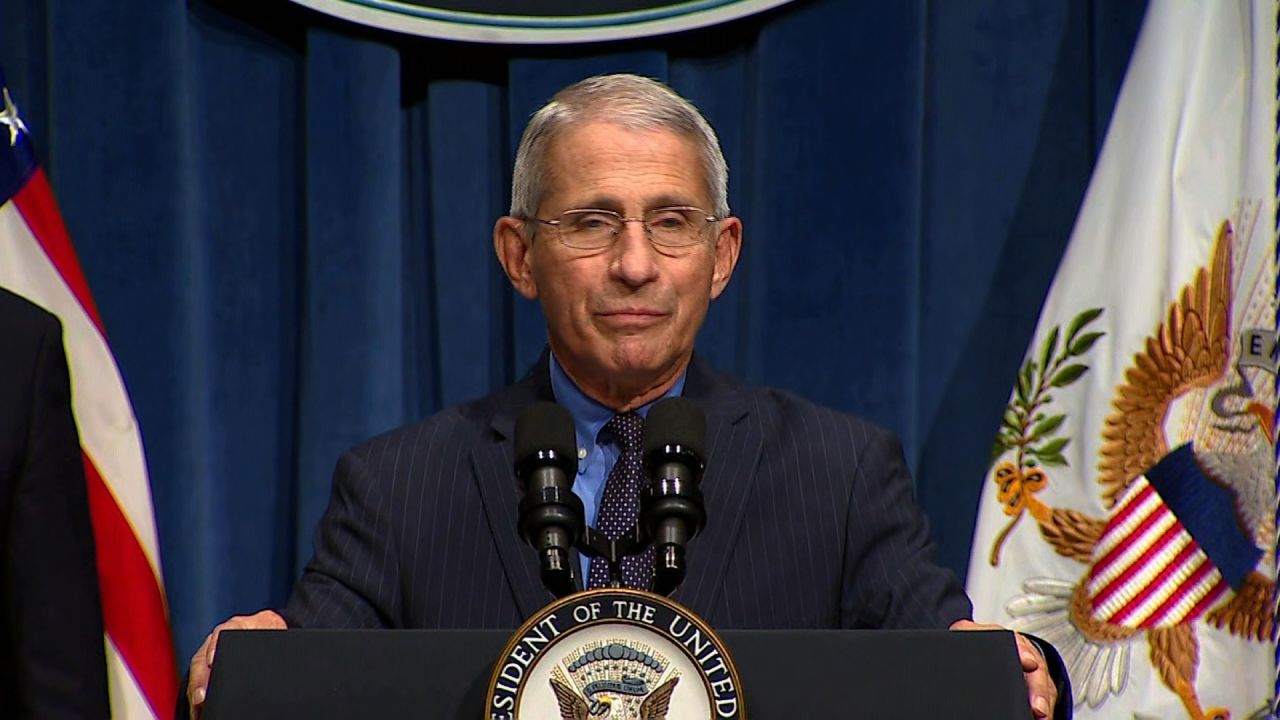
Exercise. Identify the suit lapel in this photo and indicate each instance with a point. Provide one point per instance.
(733, 449)
(493, 467)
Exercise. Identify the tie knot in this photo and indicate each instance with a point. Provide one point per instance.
(628, 428)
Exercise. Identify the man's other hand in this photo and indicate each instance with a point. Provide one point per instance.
(202, 660)
(1041, 691)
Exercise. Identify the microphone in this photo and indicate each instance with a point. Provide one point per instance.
(551, 516)
(671, 509)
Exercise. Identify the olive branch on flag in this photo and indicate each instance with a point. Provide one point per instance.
(1029, 431)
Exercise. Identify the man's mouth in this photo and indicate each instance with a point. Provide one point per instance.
(632, 317)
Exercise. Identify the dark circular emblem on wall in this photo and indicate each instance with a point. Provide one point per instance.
(539, 21)
(617, 654)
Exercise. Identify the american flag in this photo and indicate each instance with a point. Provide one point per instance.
(38, 262)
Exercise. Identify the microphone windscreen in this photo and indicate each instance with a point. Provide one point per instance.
(675, 421)
(547, 427)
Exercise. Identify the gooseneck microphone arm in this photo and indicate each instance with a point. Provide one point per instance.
(551, 515)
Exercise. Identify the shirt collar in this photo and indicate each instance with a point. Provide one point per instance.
(589, 416)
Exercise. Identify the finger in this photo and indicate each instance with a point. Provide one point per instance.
(195, 693)
(202, 663)
(1040, 687)
(235, 623)
(1042, 703)
(1044, 695)
(198, 657)
(1029, 654)
(1030, 659)
(198, 678)
(239, 622)
(211, 647)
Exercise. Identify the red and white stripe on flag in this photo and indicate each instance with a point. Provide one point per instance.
(1147, 569)
(38, 262)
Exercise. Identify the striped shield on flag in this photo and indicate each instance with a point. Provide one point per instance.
(1172, 547)
(1148, 570)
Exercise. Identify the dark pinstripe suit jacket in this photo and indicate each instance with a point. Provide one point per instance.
(811, 523)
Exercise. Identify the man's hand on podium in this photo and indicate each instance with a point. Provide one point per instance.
(1041, 690)
(202, 660)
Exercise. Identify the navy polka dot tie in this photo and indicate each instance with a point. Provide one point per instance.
(620, 505)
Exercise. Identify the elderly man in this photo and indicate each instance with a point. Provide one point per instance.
(620, 228)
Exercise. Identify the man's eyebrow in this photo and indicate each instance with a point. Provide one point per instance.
(673, 201)
(600, 202)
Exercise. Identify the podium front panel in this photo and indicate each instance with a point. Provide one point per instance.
(428, 674)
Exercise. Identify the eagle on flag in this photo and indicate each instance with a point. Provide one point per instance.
(1185, 475)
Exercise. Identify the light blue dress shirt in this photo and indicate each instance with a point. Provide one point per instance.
(595, 457)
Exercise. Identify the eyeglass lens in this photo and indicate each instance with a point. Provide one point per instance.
(672, 227)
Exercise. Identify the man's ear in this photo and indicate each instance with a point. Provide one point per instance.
(728, 246)
(514, 250)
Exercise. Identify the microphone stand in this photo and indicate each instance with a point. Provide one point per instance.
(595, 544)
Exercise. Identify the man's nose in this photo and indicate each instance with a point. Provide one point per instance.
(635, 260)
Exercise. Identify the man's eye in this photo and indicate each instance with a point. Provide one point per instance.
(591, 222)
(669, 221)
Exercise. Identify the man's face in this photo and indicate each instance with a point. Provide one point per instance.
(625, 315)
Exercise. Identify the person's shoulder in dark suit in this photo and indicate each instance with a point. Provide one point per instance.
(842, 521)
(52, 657)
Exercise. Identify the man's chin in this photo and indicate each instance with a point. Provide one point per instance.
(647, 360)
(630, 366)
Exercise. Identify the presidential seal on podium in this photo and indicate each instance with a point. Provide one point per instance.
(618, 654)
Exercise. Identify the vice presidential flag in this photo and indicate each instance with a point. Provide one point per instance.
(1128, 515)
(38, 262)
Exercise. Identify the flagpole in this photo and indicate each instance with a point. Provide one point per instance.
(1275, 431)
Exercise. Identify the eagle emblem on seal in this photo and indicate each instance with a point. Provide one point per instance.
(616, 680)
(1186, 475)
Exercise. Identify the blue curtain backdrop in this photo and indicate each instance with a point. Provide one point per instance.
(286, 222)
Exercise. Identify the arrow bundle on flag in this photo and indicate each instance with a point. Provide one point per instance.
(38, 262)
(1129, 513)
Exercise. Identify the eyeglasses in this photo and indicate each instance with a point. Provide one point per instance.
(590, 229)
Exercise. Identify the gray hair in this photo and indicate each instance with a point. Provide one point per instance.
(630, 101)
